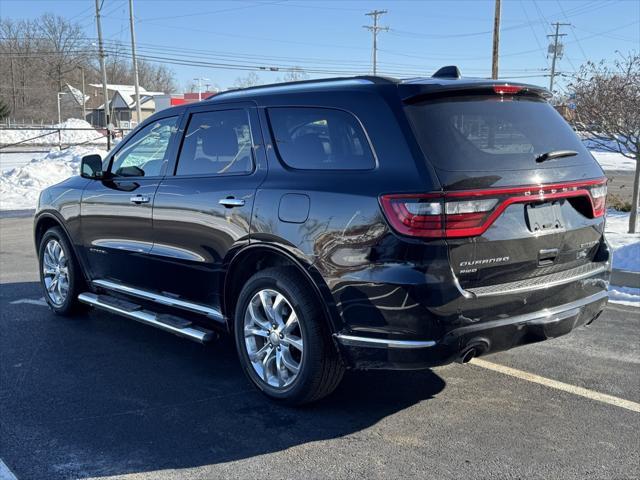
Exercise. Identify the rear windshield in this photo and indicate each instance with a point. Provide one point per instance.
(480, 133)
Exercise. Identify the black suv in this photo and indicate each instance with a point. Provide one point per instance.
(346, 223)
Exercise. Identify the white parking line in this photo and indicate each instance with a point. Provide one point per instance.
(565, 387)
(5, 473)
(40, 302)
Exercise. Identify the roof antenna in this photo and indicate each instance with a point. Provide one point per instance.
(450, 71)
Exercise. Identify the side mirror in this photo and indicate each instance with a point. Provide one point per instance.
(91, 167)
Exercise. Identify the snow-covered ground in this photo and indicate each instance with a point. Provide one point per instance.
(610, 161)
(18, 159)
(50, 137)
(20, 187)
(626, 255)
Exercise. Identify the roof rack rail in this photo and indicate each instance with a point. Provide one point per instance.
(450, 71)
(376, 79)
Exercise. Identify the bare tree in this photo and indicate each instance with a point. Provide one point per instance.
(294, 75)
(608, 107)
(5, 110)
(159, 78)
(39, 57)
(250, 80)
(67, 43)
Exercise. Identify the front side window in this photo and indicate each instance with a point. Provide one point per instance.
(320, 139)
(146, 152)
(217, 143)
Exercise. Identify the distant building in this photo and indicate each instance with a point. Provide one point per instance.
(166, 101)
(122, 105)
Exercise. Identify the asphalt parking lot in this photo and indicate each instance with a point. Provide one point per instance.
(101, 396)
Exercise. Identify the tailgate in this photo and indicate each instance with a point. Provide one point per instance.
(522, 198)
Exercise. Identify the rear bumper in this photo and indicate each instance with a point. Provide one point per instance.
(488, 336)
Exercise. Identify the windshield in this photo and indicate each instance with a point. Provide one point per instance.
(480, 133)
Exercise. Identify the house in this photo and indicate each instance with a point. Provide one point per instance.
(122, 105)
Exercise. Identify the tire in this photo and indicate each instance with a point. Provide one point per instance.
(319, 366)
(62, 271)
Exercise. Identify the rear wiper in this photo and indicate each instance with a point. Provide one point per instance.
(543, 157)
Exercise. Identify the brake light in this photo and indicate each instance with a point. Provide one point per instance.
(599, 196)
(507, 89)
(470, 213)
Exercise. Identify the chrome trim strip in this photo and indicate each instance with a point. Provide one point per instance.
(478, 292)
(162, 299)
(355, 341)
(148, 318)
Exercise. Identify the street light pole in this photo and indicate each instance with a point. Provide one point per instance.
(84, 97)
(59, 113)
(199, 80)
(60, 121)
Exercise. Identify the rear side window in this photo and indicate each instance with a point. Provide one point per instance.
(320, 139)
(490, 134)
(216, 143)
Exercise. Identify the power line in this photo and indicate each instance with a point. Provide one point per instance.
(374, 29)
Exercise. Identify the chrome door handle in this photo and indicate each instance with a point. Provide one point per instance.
(231, 202)
(138, 199)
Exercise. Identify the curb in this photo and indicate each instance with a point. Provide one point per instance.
(625, 278)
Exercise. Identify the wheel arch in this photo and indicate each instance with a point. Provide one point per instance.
(48, 219)
(256, 257)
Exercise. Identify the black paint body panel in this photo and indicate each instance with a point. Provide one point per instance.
(374, 282)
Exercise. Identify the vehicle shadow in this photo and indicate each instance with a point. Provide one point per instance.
(101, 395)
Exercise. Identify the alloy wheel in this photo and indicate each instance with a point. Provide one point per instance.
(55, 270)
(273, 338)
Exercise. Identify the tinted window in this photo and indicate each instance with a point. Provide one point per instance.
(144, 154)
(320, 139)
(485, 133)
(216, 143)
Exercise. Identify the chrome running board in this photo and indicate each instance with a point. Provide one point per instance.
(161, 299)
(169, 323)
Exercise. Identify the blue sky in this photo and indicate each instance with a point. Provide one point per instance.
(327, 38)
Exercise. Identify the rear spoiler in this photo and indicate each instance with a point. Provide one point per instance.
(416, 92)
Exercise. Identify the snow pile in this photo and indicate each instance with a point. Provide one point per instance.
(626, 255)
(616, 230)
(88, 134)
(624, 295)
(20, 187)
(614, 161)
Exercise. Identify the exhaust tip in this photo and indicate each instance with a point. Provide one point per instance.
(467, 355)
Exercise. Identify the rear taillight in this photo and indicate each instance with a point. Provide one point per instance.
(470, 213)
(599, 198)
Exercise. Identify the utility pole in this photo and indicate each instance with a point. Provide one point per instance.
(556, 50)
(496, 40)
(136, 82)
(374, 29)
(103, 67)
